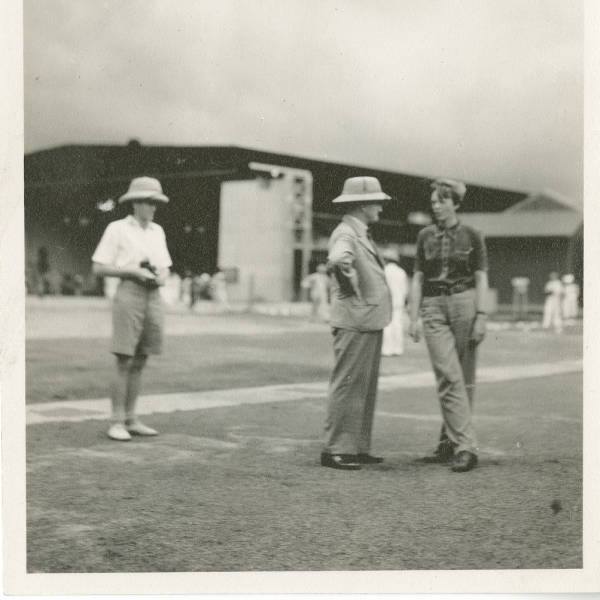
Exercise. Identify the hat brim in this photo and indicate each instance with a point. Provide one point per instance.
(133, 196)
(369, 197)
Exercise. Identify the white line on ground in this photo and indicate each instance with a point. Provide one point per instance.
(477, 417)
(83, 410)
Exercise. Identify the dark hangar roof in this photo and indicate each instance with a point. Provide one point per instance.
(74, 165)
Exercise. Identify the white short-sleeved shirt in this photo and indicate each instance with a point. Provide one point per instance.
(554, 287)
(126, 244)
(520, 284)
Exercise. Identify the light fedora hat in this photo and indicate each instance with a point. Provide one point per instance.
(144, 188)
(361, 189)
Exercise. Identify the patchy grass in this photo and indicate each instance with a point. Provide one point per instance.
(77, 367)
(240, 488)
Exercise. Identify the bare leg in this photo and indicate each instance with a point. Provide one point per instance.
(119, 387)
(136, 366)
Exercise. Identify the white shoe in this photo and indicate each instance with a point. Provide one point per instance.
(138, 428)
(118, 432)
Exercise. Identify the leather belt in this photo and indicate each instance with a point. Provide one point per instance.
(433, 289)
(149, 285)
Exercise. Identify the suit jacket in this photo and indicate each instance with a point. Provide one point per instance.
(360, 297)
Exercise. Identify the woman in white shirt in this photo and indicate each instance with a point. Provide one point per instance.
(134, 249)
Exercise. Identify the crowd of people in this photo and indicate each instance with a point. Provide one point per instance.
(192, 289)
(561, 304)
(42, 279)
(360, 291)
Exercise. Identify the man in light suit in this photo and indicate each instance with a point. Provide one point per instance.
(361, 307)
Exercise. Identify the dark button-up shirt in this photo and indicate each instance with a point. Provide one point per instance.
(450, 256)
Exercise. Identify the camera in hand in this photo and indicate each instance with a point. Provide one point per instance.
(150, 283)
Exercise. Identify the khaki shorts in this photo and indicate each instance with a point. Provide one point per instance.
(138, 320)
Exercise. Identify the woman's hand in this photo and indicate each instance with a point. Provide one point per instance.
(479, 328)
(414, 330)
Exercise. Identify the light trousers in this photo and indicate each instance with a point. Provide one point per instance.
(393, 334)
(552, 313)
(520, 305)
(570, 308)
(352, 391)
(447, 327)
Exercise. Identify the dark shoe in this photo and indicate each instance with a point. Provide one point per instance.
(443, 454)
(464, 461)
(367, 459)
(339, 461)
(436, 459)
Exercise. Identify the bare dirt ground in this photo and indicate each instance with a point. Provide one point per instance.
(240, 488)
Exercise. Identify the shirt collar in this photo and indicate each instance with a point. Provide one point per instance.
(131, 220)
(449, 230)
(361, 227)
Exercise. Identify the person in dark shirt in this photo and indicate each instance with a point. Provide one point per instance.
(43, 272)
(449, 288)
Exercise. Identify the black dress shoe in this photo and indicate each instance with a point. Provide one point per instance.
(443, 454)
(367, 459)
(464, 461)
(340, 461)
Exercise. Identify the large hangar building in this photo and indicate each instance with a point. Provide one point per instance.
(264, 218)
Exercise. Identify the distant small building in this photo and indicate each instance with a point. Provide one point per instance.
(540, 234)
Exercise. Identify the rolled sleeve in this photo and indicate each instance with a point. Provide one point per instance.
(480, 258)
(107, 249)
(420, 254)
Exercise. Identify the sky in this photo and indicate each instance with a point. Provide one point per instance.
(488, 91)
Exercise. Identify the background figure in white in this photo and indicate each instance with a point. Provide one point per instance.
(219, 290)
(110, 286)
(570, 309)
(553, 304)
(393, 334)
(317, 284)
(171, 290)
(201, 289)
(185, 290)
(520, 287)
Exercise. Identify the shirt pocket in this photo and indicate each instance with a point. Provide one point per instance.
(430, 248)
(461, 255)
(462, 250)
(122, 256)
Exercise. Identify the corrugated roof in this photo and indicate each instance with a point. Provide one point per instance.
(545, 200)
(557, 223)
(81, 165)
